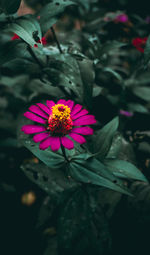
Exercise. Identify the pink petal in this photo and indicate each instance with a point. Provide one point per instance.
(31, 129)
(50, 103)
(85, 120)
(61, 101)
(39, 137)
(37, 110)
(67, 143)
(83, 130)
(81, 113)
(76, 109)
(45, 144)
(70, 104)
(55, 143)
(78, 138)
(34, 117)
(44, 108)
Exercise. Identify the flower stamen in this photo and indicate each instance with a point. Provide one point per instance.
(59, 121)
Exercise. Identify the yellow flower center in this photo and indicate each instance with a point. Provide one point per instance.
(59, 122)
(61, 111)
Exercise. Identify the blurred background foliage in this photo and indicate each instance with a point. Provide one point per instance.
(102, 70)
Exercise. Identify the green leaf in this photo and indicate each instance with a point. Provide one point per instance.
(52, 181)
(51, 159)
(84, 175)
(142, 92)
(124, 169)
(137, 108)
(116, 146)
(104, 137)
(26, 27)
(82, 156)
(147, 50)
(114, 73)
(110, 46)
(87, 77)
(97, 91)
(10, 6)
(48, 15)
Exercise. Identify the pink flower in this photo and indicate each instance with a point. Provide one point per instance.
(15, 37)
(147, 19)
(125, 113)
(57, 122)
(122, 18)
(43, 40)
(139, 43)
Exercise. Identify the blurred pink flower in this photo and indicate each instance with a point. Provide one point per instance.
(147, 20)
(122, 18)
(139, 43)
(126, 113)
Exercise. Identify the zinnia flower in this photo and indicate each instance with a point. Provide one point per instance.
(43, 40)
(147, 19)
(122, 18)
(58, 121)
(139, 43)
(126, 113)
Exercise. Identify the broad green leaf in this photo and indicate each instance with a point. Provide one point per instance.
(26, 27)
(48, 15)
(116, 146)
(87, 77)
(64, 71)
(81, 157)
(52, 181)
(124, 169)
(95, 166)
(114, 73)
(137, 108)
(9, 6)
(142, 92)
(83, 175)
(97, 91)
(51, 159)
(61, 79)
(110, 46)
(104, 137)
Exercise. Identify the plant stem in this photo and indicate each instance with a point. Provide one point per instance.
(56, 40)
(34, 56)
(64, 153)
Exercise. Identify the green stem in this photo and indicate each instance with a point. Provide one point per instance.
(56, 40)
(64, 153)
(34, 56)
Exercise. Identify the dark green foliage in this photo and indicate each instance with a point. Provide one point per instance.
(88, 58)
(102, 145)
(124, 169)
(78, 225)
(86, 174)
(49, 13)
(50, 158)
(9, 7)
(25, 27)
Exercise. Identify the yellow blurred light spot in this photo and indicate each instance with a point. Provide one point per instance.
(28, 198)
